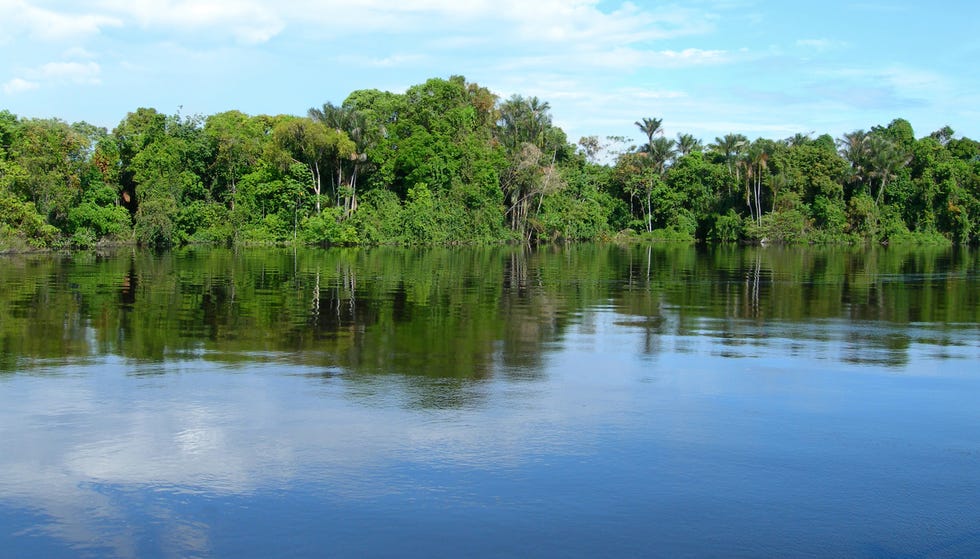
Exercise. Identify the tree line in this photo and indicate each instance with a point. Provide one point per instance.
(448, 161)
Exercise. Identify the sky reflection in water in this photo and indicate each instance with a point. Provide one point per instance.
(615, 418)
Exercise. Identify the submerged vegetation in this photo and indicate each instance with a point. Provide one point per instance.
(449, 162)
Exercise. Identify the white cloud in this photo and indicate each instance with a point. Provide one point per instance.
(19, 85)
(78, 73)
(52, 25)
(577, 24)
(248, 21)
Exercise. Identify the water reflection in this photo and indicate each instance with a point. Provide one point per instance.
(568, 400)
(449, 312)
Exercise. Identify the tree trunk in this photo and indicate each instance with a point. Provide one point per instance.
(649, 208)
(758, 196)
(315, 171)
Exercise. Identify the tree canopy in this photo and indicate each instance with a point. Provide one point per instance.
(448, 161)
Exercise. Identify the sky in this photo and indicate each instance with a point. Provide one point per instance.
(706, 67)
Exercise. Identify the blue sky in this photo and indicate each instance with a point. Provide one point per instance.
(706, 67)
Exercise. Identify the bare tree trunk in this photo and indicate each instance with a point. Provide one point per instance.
(750, 196)
(315, 171)
(340, 181)
(353, 190)
(758, 196)
(649, 208)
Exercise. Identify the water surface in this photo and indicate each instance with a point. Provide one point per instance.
(580, 401)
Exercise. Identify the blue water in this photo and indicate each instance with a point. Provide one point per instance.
(726, 438)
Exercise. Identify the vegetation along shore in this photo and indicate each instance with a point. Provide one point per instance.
(450, 162)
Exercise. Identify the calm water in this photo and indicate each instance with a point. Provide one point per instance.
(585, 401)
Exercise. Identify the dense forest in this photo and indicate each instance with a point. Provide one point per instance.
(450, 162)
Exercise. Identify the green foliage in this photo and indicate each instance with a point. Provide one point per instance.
(567, 217)
(101, 221)
(448, 162)
(326, 229)
(155, 222)
(418, 216)
(50, 159)
(785, 226)
(237, 142)
(83, 238)
(728, 228)
(830, 214)
(863, 218)
(21, 220)
(379, 218)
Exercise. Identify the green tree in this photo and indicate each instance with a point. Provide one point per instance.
(53, 158)
(312, 144)
(650, 127)
(687, 144)
(730, 147)
(237, 143)
(133, 134)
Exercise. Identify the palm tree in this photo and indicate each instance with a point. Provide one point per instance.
(661, 152)
(524, 120)
(731, 146)
(686, 143)
(885, 158)
(352, 123)
(651, 127)
(853, 147)
(798, 139)
(756, 165)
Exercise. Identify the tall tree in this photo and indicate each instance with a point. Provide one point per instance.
(797, 140)
(53, 157)
(853, 147)
(524, 120)
(687, 143)
(661, 152)
(347, 167)
(756, 165)
(730, 146)
(885, 158)
(134, 133)
(651, 127)
(237, 143)
(313, 144)
(534, 148)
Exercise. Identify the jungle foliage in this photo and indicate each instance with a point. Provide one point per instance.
(449, 162)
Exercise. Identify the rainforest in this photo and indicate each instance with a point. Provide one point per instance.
(450, 162)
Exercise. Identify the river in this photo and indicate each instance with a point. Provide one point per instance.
(586, 401)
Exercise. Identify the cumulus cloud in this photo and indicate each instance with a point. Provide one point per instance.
(256, 21)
